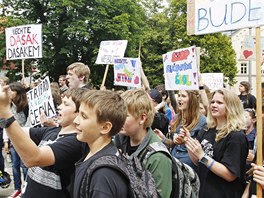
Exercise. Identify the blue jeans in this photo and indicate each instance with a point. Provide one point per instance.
(16, 164)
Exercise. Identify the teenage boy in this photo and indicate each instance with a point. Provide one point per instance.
(137, 134)
(50, 153)
(78, 75)
(101, 116)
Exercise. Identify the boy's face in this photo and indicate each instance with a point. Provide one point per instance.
(131, 126)
(87, 125)
(66, 112)
(73, 79)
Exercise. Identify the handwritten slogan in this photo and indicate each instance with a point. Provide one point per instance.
(24, 42)
(248, 50)
(180, 69)
(214, 81)
(40, 98)
(109, 50)
(127, 72)
(209, 16)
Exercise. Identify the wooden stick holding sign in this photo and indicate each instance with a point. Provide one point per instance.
(259, 105)
(23, 71)
(105, 74)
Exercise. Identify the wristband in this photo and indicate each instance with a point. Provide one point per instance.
(201, 87)
(210, 166)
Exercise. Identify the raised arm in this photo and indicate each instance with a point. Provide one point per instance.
(29, 152)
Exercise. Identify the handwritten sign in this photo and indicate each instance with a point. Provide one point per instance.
(40, 98)
(24, 42)
(222, 15)
(127, 72)
(109, 50)
(213, 80)
(248, 51)
(180, 69)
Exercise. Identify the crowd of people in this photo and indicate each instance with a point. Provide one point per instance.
(212, 132)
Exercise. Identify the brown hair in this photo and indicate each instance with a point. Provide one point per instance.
(109, 107)
(75, 94)
(193, 112)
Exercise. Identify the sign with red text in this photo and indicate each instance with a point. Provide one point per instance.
(40, 98)
(127, 72)
(24, 42)
(180, 69)
(109, 50)
(209, 16)
(214, 81)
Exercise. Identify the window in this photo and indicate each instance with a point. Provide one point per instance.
(243, 68)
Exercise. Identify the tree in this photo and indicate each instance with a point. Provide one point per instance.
(167, 31)
(73, 30)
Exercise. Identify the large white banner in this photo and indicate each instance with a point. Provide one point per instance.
(109, 50)
(209, 16)
(127, 72)
(40, 98)
(24, 42)
(180, 69)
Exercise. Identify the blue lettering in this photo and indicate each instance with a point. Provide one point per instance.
(232, 7)
(200, 18)
(249, 12)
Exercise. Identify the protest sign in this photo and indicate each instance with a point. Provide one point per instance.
(109, 50)
(40, 98)
(214, 81)
(24, 42)
(207, 16)
(180, 69)
(248, 50)
(127, 72)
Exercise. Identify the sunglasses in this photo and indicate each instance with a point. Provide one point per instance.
(252, 111)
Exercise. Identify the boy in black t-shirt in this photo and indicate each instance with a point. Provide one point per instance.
(49, 152)
(101, 116)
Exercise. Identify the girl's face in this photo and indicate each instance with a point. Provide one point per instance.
(202, 109)
(242, 88)
(250, 121)
(218, 106)
(183, 100)
(13, 94)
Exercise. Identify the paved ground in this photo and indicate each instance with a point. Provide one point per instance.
(7, 191)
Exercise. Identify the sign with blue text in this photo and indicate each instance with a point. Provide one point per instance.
(180, 69)
(24, 42)
(109, 50)
(127, 72)
(209, 16)
(40, 98)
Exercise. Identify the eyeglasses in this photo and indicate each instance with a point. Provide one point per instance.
(252, 111)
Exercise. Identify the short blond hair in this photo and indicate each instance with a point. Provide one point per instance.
(80, 69)
(138, 102)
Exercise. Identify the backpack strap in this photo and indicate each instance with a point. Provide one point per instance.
(111, 161)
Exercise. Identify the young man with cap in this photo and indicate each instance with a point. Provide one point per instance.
(160, 121)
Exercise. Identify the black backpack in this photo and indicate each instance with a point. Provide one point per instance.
(185, 182)
(141, 182)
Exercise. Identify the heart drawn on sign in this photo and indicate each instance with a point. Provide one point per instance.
(247, 53)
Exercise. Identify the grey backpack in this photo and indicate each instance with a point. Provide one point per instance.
(141, 182)
(185, 182)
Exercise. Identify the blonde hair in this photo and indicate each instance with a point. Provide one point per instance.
(138, 103)
(80, 70)
(235, 119)
(193, 112)
(108, 106)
